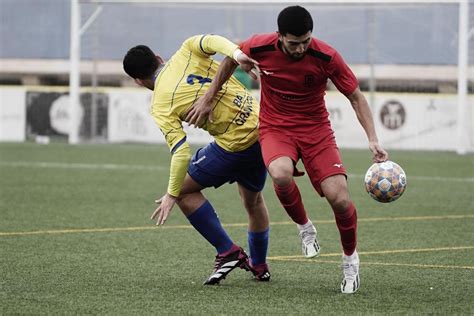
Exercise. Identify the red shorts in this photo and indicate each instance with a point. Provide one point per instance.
(316, 148)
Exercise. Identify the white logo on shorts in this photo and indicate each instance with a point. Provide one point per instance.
(199, 160)
(338, 165)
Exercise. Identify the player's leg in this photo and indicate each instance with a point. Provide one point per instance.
(323, 163)
(328, 176)
(249, 171)
(258, 232)
(280, 154)
(337, 194)
(206, 170)
(281, 171)
(327, 173)
(202, 216)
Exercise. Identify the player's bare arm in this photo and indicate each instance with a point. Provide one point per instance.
(202, 108)
(247, 64)
(364, 115)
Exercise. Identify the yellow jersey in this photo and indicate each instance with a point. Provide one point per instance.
(184, 79)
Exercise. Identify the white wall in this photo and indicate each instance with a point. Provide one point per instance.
(402, 120)
(12, 114)
(129, 120)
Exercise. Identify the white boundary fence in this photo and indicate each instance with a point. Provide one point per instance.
(411, 121)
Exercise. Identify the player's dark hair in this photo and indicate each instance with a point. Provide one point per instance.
(140, 62)
(295, 20)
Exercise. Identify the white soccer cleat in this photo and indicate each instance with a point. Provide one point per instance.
(350, 270)
(309, 240)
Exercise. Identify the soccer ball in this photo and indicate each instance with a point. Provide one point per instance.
(385, 181)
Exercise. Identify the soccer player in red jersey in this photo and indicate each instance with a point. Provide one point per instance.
(294, 124)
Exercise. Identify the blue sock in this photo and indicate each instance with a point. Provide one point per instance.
(258, 244)
(206, 222)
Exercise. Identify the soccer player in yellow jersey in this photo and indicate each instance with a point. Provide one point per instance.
(234, 156)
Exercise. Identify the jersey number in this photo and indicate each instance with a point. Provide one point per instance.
(200, 79)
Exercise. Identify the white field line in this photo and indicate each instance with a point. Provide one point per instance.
(299, 258)
(381, 252)
(389, 264)
(90, 166)
(82, 166)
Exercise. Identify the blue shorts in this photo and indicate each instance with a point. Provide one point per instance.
(213, 166)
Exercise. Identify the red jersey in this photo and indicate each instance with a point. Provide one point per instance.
(292, 91)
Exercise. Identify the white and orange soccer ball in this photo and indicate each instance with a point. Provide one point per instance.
(385, 181)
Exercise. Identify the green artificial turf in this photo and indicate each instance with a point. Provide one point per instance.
(75, 238)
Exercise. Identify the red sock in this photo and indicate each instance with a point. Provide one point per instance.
(347, 225)
(290, 198)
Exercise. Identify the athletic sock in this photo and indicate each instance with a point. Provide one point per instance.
(206, 222)
(351, 257)
(290, 198)
(258, 245)
(347, 225)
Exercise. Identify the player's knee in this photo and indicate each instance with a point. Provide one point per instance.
(256, 210)
(281, 171)
(252, 203)
(282, 177)
(338, 198)
(182, 200)
(340, 203)
(189, 202)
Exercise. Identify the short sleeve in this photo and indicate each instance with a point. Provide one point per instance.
(341, 75)
(208, 44)
(245, 46)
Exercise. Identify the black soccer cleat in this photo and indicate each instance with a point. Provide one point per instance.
(225, 264)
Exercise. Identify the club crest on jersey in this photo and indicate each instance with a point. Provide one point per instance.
(309, 81)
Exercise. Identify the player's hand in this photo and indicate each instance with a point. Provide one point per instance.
(200, 112)
(380, 155)
(165, 205)
(247, 64)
